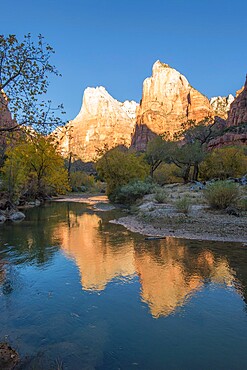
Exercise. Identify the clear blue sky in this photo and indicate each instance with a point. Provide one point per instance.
(115, 42)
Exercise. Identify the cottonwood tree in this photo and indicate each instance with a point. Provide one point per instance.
(187, 150)
(24, 70)
(118, 167)
(33, 168)
(155, 153)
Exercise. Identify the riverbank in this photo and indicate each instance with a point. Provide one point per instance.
(97, 201)
(209, 227)
(150, 218)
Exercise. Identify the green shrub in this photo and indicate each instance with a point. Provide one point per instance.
(160, 196)
(183, 205)
(167, 174)
(129, 193)
(222, 194)
(224, 163)
(119, 167)
(81, 181)
(243, 204)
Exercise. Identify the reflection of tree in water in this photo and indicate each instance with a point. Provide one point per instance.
(32, 241)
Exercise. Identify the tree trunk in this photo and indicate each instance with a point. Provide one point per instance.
(186, 173)
(195, 172)
(69, 165)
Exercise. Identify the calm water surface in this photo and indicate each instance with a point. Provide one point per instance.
(80, 292)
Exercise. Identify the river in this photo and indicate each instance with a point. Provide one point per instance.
(77, 292)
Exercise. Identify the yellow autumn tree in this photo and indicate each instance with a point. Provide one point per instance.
(34, 168)
(118, 167)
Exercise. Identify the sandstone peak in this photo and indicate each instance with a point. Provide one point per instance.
(168, 100)
(221, 105)
(97, 98)
(238, 110)
(245, 81)
(130, 106)
(165, 75)
(101, 120)
(158, 65)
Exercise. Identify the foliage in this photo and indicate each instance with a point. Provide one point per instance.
(202, 131)
(243, 204)
(128, 194)
(223, 163)
(33, 167)
(183, 204)
(239, 129)
(222, 194)
(189, 154)
(185, 157)
(24, 69)
(118, 167)
(160, 196)
(158, 151)
(81, 181)
(185, 153)
(167, 173)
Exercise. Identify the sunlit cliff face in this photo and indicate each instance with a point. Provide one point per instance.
(169, 273)
(101, 121)
(5, 116)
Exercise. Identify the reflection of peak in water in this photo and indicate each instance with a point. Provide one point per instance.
(98, 260)
(164, 288)
(170, 271)
(165, 283)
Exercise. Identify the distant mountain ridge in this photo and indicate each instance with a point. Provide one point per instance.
(236, 123)
(101, 121)
(168, 100)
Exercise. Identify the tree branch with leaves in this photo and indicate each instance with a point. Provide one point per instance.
(24, 69)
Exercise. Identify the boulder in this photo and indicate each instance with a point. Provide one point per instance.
(16, 216)
(2, 219)
(9, 358)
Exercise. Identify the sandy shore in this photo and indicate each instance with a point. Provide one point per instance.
(214, 229)
(151, 218)
(160, 220)
(99, 202)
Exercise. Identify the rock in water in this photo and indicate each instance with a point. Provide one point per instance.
(9, 358)
(2, 219)
(16, 216)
